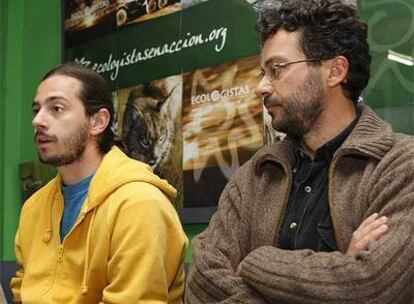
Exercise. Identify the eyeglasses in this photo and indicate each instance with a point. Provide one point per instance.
(272, 71)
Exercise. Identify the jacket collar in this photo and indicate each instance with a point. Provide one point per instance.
(372, 137)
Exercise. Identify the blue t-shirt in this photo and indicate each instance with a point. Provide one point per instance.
(73, 197)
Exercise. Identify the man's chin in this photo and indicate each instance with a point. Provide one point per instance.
(292, 131)
(55, 161)
(280, 126)
(47, 160)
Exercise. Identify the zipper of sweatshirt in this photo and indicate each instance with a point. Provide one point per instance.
(60, 254)
(81, 217)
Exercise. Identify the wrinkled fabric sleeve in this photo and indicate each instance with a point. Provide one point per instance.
(382, 274)
(216, 255)
(16, 281)
(148, 248)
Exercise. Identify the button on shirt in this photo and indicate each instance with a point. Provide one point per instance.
(307, 222)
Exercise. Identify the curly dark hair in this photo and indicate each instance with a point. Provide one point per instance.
(94, 94)
(327, 28)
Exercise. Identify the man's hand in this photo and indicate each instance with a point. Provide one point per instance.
(371, 229)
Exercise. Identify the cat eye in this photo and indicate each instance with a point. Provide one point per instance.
(144, 144)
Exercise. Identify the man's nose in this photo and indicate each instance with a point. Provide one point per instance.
(40, 120)
(264, 88)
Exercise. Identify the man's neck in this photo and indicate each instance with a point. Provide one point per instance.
(330, 123)
(79, 170)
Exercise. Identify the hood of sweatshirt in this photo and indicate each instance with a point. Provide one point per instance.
(116, 170)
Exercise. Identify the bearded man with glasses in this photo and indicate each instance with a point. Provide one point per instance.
(327, 214)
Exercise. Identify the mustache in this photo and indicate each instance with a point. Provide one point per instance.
(41, 135)
(268, 101)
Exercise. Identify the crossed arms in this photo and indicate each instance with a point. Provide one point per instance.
(226, 270)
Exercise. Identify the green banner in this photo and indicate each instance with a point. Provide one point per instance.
(203, 35)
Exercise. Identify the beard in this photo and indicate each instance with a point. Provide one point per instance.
(73, 146)
(301, 108)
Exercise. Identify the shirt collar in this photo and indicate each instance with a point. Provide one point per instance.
(327, 151)
(73, 190)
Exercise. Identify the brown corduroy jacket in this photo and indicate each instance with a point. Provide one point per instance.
(236, 261)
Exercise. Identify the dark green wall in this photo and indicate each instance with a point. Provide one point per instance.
(2, 64)
(30, 45)
(391, 88)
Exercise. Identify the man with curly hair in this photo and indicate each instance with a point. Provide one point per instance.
(325, 215)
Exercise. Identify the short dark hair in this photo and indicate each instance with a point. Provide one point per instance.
(327, 28)
(94, 94)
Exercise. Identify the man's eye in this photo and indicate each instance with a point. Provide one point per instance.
(273, 71)
(57, 109)
(35, 111)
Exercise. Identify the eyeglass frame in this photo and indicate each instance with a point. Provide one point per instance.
(278, 67)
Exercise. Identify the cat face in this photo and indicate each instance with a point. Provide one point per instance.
(147, 129)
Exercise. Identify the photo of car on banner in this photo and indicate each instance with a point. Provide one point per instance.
(87, 19)
(130, 11)
(188, 3)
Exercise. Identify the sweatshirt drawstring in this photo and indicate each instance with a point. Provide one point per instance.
(84, 286)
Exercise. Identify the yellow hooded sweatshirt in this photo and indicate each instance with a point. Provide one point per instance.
(127, 245)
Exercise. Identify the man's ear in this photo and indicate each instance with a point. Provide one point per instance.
(338, 71)
(99, 121)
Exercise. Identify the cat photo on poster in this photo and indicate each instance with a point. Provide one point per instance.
(149, 127)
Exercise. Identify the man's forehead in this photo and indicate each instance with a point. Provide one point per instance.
(62, 81)
(58, 86)
(281, 47)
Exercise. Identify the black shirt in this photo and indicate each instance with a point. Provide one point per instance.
(307, 222)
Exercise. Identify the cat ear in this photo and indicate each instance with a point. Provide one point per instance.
(99, 121)
(162, 101)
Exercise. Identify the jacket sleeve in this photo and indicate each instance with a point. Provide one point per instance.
(16, 281)
(147, 249)
(216, 256)
(382, 274)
